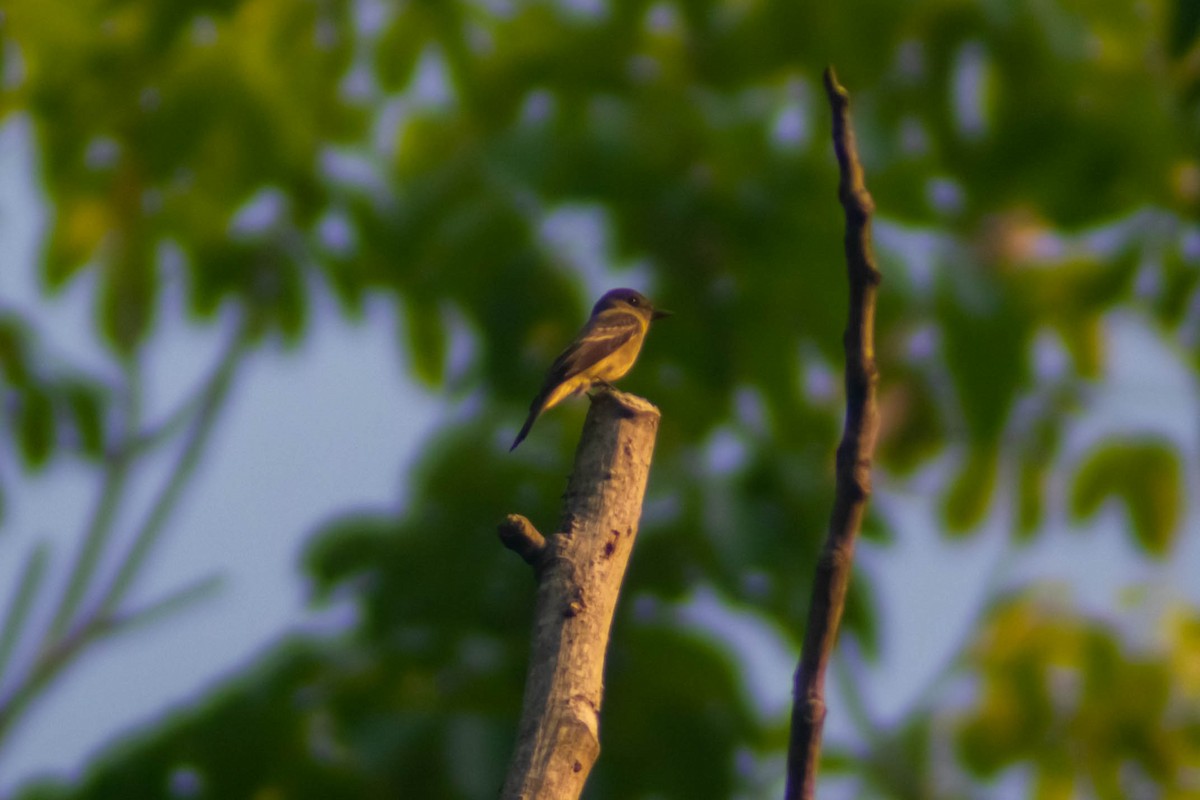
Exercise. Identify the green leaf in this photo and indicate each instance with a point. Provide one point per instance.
(1083, 337)
(970, 491)
(426, 339)
(86, 406)
(402, 44)
(986, 344)
(1184, 26)
(35, 427)
(81, 221)
(1035, 460)
(1146, 476)
(860, 617)
(287, 302)
(1031, 497)
(14, 357)
(1176, 294)
(128, 297)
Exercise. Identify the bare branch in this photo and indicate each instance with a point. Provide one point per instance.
(581, 570)
(518, 534)
(853, 459)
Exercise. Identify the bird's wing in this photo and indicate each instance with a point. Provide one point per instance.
(602, 337)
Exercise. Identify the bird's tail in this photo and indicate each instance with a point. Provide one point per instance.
(534, 411)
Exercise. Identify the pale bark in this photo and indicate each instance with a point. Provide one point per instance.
(580, 569)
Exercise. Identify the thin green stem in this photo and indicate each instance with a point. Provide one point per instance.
(212, 400)
(168, 428)
(71, 631)
(55, 660)
(50, 664)
(21, 603)
(172, 603)
(100, 528)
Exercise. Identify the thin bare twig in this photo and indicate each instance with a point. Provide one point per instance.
(853, 459)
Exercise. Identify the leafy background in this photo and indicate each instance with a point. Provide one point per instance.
(484, 168)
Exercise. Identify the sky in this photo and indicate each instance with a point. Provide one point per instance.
(282, 458)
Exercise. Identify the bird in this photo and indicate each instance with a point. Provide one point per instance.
(603, 351)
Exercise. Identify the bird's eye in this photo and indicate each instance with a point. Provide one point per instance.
(633, 301)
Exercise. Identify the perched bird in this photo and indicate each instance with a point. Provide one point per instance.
(603, 351)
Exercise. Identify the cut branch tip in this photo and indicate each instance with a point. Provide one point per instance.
(518, 534)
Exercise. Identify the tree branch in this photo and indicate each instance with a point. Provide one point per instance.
(580, 569)
(853, 459)
(519, 535)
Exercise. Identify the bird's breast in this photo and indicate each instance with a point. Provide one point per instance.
(614, 366)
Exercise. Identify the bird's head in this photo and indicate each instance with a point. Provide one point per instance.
(630, 300)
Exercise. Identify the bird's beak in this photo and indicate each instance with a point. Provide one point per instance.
(660, 313)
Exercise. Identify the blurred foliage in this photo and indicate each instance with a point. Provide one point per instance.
(262, 150)
(1146, 476)
(1089, 713)
(48, 413)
